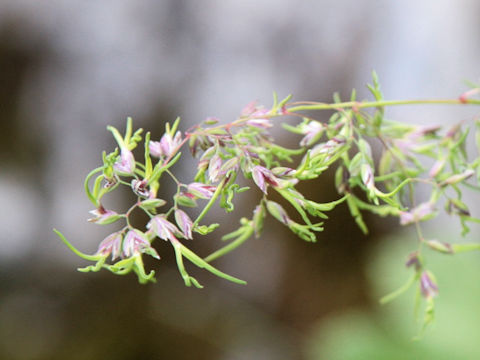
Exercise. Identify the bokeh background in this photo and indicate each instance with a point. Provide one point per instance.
(69, 68)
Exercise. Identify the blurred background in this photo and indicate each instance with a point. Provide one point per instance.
(68, 69)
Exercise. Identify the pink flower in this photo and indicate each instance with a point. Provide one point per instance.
(419, 213)
(278, 212)
(103, 217)
(163, 228)
(139, 187)
(136, 242)
(112, 244)
(312, 132)
(126, 163)
(260, 123)
(428, 287)
(201, 190)
(261, 176)
(214, 166)
(414, 260)
(184, 223)
(250, 108)
(367, 176)
(166, 146)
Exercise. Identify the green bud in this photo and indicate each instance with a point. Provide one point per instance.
(151, 204)
(184, 200)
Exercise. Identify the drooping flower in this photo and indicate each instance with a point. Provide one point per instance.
(135, 243)
(112, 244)
(166, 146)
(126, 163)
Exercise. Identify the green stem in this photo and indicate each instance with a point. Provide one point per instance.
(372, 104)
(74, 250)
(87, 188)
(210, 203)
(232, 246)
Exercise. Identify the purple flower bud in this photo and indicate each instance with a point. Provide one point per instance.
(249, 109)
(166, 146)
(184, 223)
(112, 244)
(428, 287)
(413, 260)
(455, 179)
(367, 176)
(163, 228)
(229, 165)
(442, 247)
(201, 190)
(155, 148)
(436, 168)
(312, 132)
(103, 217)
(136, 242)
(214, 166)
(421, 212)
(260, 123)
(258, 218)
(327, 148)
(424, 130)
(126, 163)
(262, 175)
(139, 187)
(278, 212)
(283, 171)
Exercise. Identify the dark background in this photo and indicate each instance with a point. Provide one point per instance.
(67, 69)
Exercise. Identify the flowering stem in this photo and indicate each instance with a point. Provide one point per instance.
(301, 106)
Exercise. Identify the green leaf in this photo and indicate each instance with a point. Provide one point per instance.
(198, 261)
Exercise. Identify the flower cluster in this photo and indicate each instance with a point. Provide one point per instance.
(246, 147)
